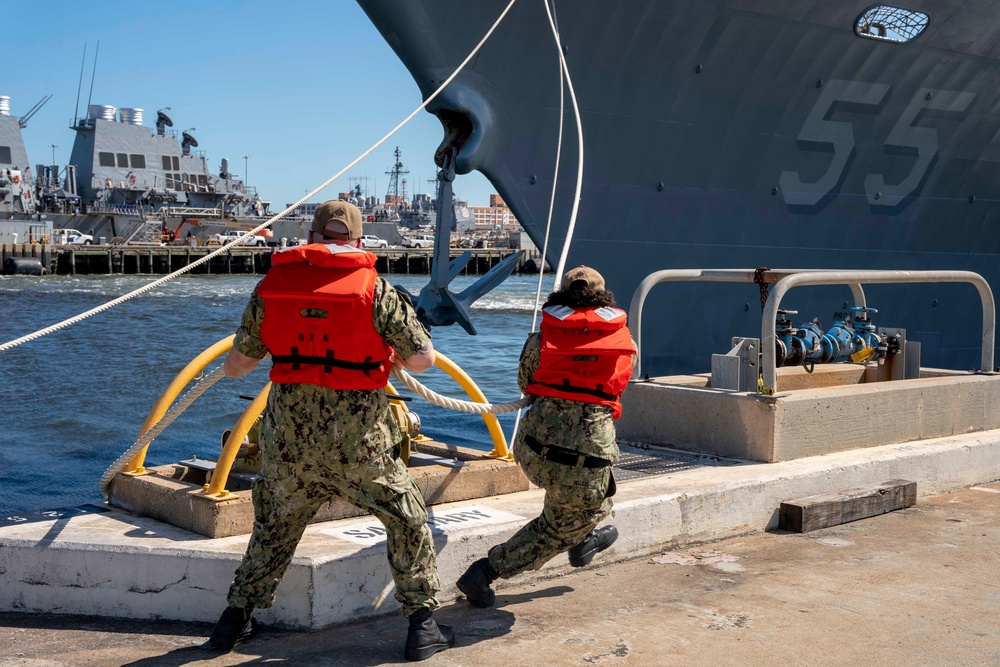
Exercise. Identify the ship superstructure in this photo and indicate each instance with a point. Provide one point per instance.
(125, 183)
(16, 194)
(124, 166)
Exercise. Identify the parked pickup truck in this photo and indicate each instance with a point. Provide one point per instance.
(229, 237)
(369, 241)
(419, 241)
(71, 236)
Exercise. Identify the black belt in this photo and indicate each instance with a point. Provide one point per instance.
(564, 456)
(567, 387)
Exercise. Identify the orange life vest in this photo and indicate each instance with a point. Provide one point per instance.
(586, 356)
(318, 318)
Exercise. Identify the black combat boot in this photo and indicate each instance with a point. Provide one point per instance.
(595, 542)
(426, 637)
(234, 626)
(475, 583)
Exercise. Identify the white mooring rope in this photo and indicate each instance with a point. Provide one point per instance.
(571, 227)
(173, 413)
(279, 216)
(564, 77)
(196, 391)
(455, 404)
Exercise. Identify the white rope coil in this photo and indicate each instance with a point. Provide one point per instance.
(173, 413)
(455, 404)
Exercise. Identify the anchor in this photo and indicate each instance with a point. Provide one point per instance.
(437, 305)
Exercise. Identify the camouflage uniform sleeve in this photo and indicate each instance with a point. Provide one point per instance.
(531, 356)
(396, 321)
(248, 339)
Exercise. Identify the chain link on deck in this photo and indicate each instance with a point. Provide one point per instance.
(765, 288)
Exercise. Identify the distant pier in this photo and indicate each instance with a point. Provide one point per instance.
(162, 259)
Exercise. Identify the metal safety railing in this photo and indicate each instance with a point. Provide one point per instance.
(783, 280)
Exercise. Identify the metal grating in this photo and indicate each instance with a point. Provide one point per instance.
(638, 461)
(892, 24)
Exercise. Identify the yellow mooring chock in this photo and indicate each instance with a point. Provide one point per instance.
(216, 488)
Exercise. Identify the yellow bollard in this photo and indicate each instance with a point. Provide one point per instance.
(217, 487)
(492, 424)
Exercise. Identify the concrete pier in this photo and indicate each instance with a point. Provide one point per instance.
(912, 587)
(113, 563)
(104, 561)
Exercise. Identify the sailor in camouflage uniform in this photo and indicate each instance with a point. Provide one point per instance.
(327, 430)
(577, 364)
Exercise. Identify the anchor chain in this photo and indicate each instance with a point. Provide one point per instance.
(758, 277)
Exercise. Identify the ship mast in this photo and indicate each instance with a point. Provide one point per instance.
(393, 193)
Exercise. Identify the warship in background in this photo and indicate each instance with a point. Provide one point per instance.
(129, 184)
(125, 183)
(735, 134)
(19, 209)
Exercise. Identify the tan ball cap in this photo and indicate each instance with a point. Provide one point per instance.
(338, 217)
(582, 277)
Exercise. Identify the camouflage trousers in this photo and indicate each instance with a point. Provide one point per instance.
(288, 494)
(576, 500)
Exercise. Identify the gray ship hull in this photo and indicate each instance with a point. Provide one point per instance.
(735, 134)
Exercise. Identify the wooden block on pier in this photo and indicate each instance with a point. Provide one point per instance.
(832, 509)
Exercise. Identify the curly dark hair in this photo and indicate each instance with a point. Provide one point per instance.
(581, 298)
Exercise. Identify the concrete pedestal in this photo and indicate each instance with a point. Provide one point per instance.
(173, 494)
(833, 409)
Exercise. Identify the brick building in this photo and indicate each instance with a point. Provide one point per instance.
(495, 216)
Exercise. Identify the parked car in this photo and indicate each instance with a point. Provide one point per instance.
(419, 241)
(229, 237)
(370, 241)
(71, 236)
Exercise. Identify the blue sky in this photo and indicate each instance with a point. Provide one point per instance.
(302, 87)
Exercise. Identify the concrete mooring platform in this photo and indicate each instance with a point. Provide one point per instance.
(109, 562)
(174, 494)
(832, 408)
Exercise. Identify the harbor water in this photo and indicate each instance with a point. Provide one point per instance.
(73, 401)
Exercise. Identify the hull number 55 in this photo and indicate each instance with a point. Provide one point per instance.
(840, 135)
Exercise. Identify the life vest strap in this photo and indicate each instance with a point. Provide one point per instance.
(329, 362)
(567, 387)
